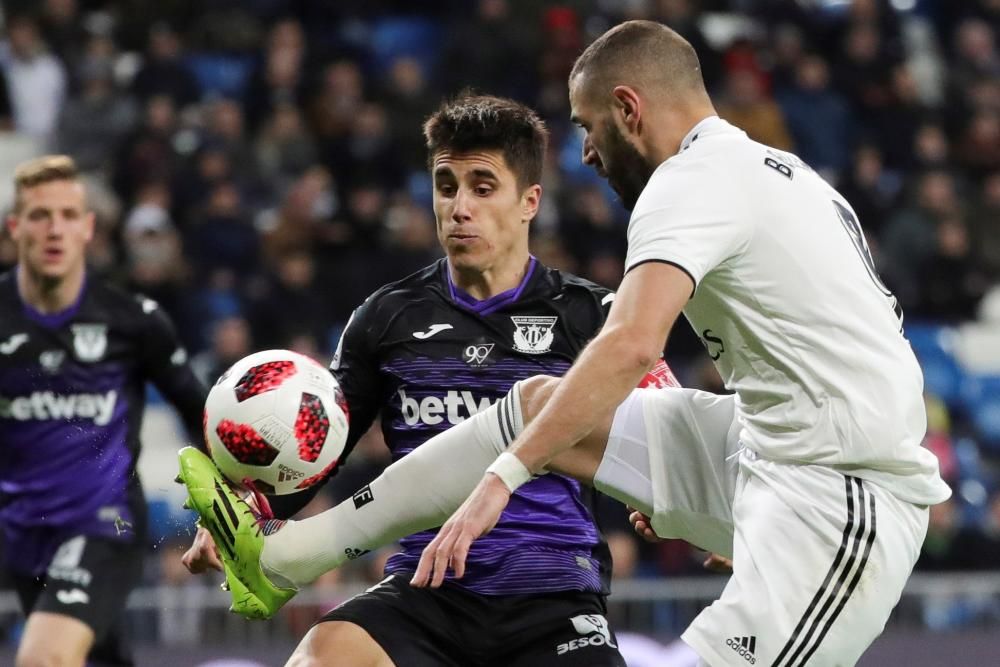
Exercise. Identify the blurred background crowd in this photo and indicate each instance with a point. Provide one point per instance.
(257, 166)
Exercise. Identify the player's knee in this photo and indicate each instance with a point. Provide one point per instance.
(534, 393)
(338, 644)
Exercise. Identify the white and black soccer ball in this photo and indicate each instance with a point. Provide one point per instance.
(278, 419)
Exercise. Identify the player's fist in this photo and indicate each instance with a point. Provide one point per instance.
(642, 526)
(203, 554)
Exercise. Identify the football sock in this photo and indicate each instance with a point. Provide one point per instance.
(411, 495)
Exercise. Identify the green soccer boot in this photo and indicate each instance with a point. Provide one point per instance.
(238, 532)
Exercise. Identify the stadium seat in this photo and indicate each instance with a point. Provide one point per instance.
(934, 347)
(404, 36)
(982, 402)
(221, 75)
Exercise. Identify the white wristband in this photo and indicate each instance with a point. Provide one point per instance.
(510, 470)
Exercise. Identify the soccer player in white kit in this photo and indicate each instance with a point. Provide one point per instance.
(811, 476)
(820, 488)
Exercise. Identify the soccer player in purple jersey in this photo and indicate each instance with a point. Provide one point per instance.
(75, 355)
(429, 351)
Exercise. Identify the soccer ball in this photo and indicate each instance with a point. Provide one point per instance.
(276, 419)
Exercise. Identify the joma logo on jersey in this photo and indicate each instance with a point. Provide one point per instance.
(46, 405)
(455, 407)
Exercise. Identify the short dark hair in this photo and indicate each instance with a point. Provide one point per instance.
(640, 52)
(473, 122)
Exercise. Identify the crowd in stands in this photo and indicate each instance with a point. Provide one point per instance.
(257, 166)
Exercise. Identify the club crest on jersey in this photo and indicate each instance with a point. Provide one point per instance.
(90, 341)
(533, 334)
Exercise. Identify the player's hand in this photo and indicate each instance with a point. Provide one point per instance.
(642, 526)
(203, 554)
(718, 564)
(476, 517)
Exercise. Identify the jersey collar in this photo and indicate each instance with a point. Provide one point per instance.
(50, 320)
(709, 124)
(491, 305)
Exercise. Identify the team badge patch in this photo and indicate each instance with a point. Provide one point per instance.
(533, 334)
(90, 341)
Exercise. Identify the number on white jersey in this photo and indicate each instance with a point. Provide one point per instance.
(857, 236)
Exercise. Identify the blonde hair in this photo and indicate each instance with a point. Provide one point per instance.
(45, 169)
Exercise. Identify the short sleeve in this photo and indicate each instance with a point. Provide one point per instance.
(355, 364)
(687, 219)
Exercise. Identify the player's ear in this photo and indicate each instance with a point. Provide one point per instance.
(530, 199)
(90, 223)
(628, 106)
(10, 222)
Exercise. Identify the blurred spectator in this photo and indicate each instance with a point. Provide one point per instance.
(210, 166)
(284, 149)
(976, 55)
(95, 122)
(746, 105)
(148, 155)
(278, 81)
(156, 266)
(931, 148)
(303, 221)
(222, 236)
(64, 29)
(787, 51)
(978, 147)
(480, 52)
(561, 43)
(36, 79)
(411, 241)
(818, 117)
(911, 235)
(984, 227)
(895, 125)
(340, 96)
(407, 101)
(682, 16)
(293, 293)
(952, 283)
(591, 228)
(864, 70)
(231, 340)
(871, 190)
(163, 71)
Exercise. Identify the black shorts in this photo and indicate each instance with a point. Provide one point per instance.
(454, 627)
(90, 580)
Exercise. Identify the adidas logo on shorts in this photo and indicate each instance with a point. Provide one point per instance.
(745, 647)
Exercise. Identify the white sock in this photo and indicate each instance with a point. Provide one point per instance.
(411, 495)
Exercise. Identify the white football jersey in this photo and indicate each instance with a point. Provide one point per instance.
(789, 305)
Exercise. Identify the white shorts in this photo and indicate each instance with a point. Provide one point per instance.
(819, 558)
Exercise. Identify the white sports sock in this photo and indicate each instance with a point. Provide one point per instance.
(409, 496)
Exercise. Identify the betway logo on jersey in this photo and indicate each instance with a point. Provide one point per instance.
(455, 407)
(46, 405)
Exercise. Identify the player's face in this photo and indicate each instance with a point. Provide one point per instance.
(608, 151)
(52, 229)
(482, 214)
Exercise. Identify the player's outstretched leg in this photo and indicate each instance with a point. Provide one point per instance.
(238, 533)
